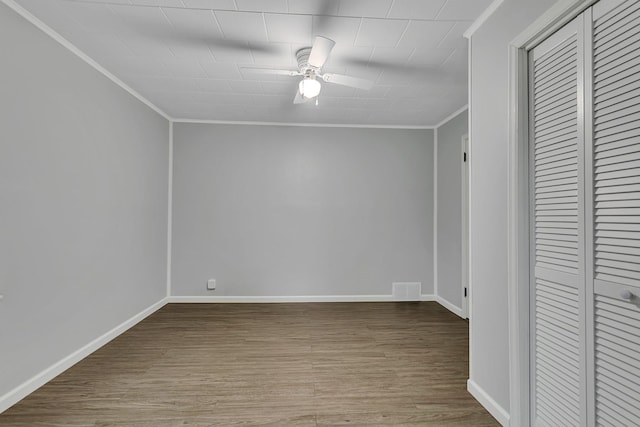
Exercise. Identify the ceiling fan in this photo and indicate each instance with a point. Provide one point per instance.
(310, 63)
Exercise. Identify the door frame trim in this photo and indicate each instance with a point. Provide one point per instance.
(466, 194)
(518, 265)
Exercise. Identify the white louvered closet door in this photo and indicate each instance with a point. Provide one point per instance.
(585, 185)
(557, 291)
(616, 212)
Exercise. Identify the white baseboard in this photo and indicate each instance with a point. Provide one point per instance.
(37, 381)
(284, 299)
(489, 404)
(14, 396)
(452, 308)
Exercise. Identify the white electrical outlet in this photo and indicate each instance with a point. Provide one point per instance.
(211, 284)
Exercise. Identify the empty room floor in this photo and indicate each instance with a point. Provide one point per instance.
(311, 364)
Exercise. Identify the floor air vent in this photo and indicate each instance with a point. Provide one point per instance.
(407, 291)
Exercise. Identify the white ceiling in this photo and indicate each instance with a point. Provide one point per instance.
(188, 57)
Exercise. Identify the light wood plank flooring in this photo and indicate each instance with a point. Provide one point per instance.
(320, 364)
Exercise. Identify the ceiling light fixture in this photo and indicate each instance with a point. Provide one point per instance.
(309, 87)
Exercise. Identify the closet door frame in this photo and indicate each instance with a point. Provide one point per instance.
(589, 216)
(518, 263)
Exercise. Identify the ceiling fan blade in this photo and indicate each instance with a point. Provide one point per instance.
(409, 70)
(289, 73)
(320, 51)
(322, 13)
(341, 79)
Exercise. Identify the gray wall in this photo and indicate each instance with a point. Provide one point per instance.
(83, 203)
(295, 211)
(450, 208)
(489, 176)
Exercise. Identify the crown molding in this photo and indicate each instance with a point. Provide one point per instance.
(294, 124)
(482, 18)
(80, 54)
(451, 116)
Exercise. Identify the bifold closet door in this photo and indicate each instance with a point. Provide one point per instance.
(616, 212)
(558, 252)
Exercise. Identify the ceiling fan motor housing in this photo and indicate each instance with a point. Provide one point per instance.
(302, 56)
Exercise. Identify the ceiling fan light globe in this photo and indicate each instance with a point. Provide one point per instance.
(309, 88)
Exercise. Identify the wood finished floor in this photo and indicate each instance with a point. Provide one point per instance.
(318, 364)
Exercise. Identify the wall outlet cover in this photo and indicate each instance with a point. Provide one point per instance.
(211, 284)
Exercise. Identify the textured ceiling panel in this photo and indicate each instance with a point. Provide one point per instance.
(193, 58)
